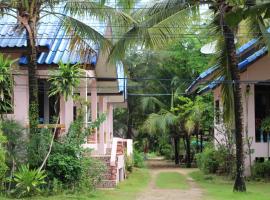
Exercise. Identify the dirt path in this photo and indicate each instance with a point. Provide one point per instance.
(153, 193)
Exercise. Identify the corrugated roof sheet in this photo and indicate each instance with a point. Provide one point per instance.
(241, 66)
(53, 36)
(212, 69)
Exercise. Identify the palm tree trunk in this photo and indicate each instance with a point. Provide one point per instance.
(239, 184)
(197, 138)
(130, 120)
(201, 141)
(188, 156)
(176, 150)
(32, 79)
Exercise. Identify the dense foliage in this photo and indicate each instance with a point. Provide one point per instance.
(28, 181)
(261, 170)
(216, 161)
(3, 166)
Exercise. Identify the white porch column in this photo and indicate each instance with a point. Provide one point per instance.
(66, 112)
(94, 102)
(83, 94)
(110, 122)
(46, 104)
(102, 128)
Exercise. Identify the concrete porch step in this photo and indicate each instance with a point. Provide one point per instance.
(107, 184)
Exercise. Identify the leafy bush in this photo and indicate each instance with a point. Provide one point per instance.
(38, 147)
(3, 166)
(28, 182)
(92, 173)
(261, 170)
(166, 151)
(64, 164)
(138, 159)
(16, 142)
(129, 163)
(207, 160)
(213, 160)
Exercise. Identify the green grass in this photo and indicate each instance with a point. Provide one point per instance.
(126, 190)
(218, 188)
(171, 180)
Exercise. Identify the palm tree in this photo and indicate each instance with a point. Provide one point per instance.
(225, 23)
(175, 120)
(164, 120)
(29, 13)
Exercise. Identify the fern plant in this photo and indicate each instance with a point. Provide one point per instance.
(28, 181)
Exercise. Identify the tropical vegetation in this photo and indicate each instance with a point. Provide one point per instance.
(161, 58)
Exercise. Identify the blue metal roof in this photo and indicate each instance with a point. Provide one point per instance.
(241, 66)
(12, 36)
(211, 86)
(202, 76)
(59, 49)
(50, 34)
(243, 63)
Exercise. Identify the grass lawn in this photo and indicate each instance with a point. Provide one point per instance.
(216, 188)
(171, 180)
(126, 190)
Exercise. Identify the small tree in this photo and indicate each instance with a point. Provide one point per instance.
(62, 80)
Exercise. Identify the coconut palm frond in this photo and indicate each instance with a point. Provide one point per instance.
(152, 104)
(165, 8)
(226, 86)
(82, 32)
(189, 126)
(124, 42)
(155, 123)
(264, 32)
(170, 118)
(155, 27)
(95, 9)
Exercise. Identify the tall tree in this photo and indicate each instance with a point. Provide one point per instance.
(29, 13)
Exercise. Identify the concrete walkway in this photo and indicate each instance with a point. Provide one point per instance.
(153, 193)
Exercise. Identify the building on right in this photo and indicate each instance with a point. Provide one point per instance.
(254, 66)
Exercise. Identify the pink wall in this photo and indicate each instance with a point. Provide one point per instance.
(21, 99)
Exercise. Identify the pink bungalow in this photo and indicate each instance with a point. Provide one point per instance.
(103, 86)
(254, 66)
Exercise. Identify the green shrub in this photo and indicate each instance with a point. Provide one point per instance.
(92, 173)
(64, 164)
(38, 147)
(16, 142)
(207, 160)
(129, 163)
(166, 151)
(3, 166)
(261, 170)
(28, 182)
(138, 159)
(213, 160)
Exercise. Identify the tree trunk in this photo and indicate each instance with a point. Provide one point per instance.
(197, 139)
(188, 156)
(201, 145)
(239, 184)
(129, 121)
(176, 150)
(32, 79)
